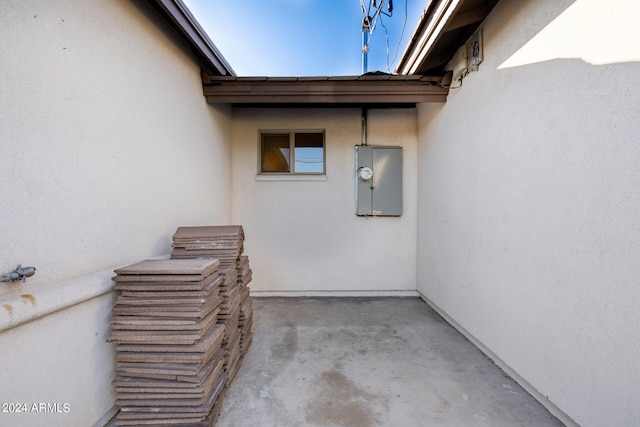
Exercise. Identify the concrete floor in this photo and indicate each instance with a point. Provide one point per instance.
(362, 362)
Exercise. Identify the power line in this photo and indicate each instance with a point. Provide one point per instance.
(369, 23)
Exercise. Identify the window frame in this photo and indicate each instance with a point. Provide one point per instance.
(292, 139)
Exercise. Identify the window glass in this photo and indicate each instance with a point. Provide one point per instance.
(275, 153)
(292, 152)
(309, 153)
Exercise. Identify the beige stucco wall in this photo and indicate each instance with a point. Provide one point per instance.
(304, 236)
(528, 196)
(106, 146)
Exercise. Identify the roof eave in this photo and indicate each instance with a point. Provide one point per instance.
(432, 23)
(363, 90)
(179, 16)
(444, 26)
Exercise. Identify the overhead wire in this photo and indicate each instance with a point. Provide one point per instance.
(395, 54)
(377, 16)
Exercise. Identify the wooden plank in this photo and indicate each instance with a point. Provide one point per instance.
(148, 278)
(194, 383)
(243, 262)
(226, 262)
(166, 357)
(158, 286)
(212, 339)
(163, 286)
(161, 312)
(201, 409)
(147, 370)
(213, 244)
(132, 382)
(168, 418)
(202, 391)
(123, 397)
(150, 301)
(209, 291)
(235, 253)
(214, 231)
(236, 240)
(134, 323)
(156, 421)
(155, 337)
(170, 267)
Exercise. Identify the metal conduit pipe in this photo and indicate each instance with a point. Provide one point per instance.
(364, 127)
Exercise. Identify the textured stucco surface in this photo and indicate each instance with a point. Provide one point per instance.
(305, 236)
(528, 203)
(106, 146)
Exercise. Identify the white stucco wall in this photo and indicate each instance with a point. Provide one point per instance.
(305, 236)
(528, 231)
(106, 146)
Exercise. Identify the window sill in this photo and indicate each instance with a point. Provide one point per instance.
(291, 177)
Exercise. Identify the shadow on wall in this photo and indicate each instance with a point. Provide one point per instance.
(589, 30)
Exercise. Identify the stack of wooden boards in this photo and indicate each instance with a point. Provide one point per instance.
(169, 355)
(225, 243)
(245, 321)
(181, 328)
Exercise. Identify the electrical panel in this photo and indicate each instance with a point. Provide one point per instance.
(378, 180)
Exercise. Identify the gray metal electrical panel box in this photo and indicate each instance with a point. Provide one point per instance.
(378, 180)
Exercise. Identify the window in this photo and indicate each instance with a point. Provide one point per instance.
(292, 152)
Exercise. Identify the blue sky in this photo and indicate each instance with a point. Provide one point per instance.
(302, 37)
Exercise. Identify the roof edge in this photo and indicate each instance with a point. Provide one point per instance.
(390, 90)
(431, 25)
(181, 18)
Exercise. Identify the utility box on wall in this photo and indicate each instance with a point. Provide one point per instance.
(378, 180)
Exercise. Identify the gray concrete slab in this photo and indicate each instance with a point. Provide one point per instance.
(362, 362)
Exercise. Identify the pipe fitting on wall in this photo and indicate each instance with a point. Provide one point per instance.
(20, 272)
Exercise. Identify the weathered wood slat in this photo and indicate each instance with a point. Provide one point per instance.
(215, 231)
(209, 291)
(170, 267)
(197, 410)
(155, 337)
(178, 311)
(133, 323)
(171, 397)
(213, 338)
(162, 286)
(149, 278)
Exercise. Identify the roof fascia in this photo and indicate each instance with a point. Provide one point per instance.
(322, 91)
(179, 16)
(432, 24)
